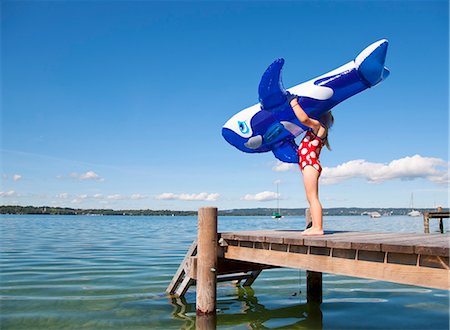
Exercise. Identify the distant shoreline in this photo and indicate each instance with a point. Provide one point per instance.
(346, 211)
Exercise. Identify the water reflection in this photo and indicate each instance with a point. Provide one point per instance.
(252, 314)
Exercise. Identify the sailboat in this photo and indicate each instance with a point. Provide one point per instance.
(277, 215)
(413, 213)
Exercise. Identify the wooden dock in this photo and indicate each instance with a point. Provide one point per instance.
(406, 258)
(439, 214)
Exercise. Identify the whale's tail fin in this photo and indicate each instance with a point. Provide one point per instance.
(370, 62)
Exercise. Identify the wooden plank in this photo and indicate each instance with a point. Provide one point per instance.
(254, 274)
(403, 244)
(402, 258)
(370, 242)
(274, 238)
(184, 286)
(327, 239)
(434, 261)
(412, 275)
(432, 250)
(227, 266)
(344, 241)
(178, 277)
(438, 245)
(343, 253)
(233, 277)
(439, 214)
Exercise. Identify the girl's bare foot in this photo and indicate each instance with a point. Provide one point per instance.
(313, 232)
(306, 230)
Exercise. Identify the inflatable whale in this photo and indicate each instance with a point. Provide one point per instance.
(272, 125)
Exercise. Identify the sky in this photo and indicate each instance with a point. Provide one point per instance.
(120, 104)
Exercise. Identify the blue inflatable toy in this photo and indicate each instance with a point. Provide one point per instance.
(272, 125)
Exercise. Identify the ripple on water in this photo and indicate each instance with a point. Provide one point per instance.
(111, 273)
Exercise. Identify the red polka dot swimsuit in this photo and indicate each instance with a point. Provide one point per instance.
(309, 151)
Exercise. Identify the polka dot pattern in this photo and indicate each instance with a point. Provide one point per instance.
(309, 152)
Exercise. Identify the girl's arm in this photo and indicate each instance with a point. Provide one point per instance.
(317, 128)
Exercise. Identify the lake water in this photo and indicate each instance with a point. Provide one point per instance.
(82, 272)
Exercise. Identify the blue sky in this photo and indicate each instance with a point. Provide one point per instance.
(120, 104)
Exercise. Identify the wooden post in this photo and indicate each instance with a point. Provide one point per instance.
(426, 223)
(313, 287)
(441, 222)
(206, 261)
(206, 322)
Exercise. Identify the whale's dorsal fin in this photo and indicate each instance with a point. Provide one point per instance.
(271, 90)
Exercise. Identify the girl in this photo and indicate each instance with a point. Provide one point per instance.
(308, 152)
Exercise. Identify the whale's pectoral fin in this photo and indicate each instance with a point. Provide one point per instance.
(271, 91)
(286, 151)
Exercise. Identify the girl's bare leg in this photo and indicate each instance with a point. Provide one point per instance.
(311, 182)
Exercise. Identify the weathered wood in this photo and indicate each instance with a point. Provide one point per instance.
(184, 286)
(181, 272)
(344, 240)
(252, 278)
(412, 275)
(426, 223)
(313, 287)
(409, 258)
(207, 261)
(434, 261)
(371, 242)
(439, 214)
(206, 322)
(403, 244)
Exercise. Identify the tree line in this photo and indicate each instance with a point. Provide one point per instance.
(347, 211)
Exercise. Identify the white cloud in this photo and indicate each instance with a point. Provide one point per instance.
(407, 168)
(138, 196)
(63, 195)
(261, 197)
(99, 197)
(189, 197)
(116, 197)
(10, 193)
(167, 196)
(17, 177)
(89, 175)
(79, 198)
(283, 167)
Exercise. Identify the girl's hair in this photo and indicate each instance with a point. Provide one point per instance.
(327, 120)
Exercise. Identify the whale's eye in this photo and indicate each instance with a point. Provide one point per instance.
(243, 127)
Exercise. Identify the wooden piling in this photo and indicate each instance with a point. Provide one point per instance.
(439, 214)
(313, 287)
(206, 261)
(426, 223)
